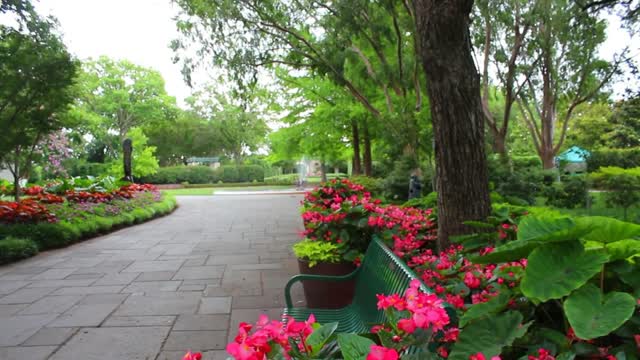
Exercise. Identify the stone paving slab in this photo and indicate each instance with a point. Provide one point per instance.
(155, 290)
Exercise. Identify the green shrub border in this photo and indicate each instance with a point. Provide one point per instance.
(19, 241)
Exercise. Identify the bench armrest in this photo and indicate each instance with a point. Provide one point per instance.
(302, 277)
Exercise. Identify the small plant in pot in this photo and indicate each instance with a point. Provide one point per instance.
(324, 258)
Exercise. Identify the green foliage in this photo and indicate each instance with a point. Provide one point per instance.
(396, 184)
(570, 193)
(593, 315)
(426, 202)
(317, 251)
(555, 270)
(206, 174)
(354, 347)
(622, 185)
(519, 183)
(143, 162)
(624, 158)
(373, 185)
(46, 235)
(78, 167)
(13, 249)
(489, 335)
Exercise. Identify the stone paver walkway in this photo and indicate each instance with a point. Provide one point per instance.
(155, 290)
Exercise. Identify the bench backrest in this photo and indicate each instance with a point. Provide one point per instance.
(382, 272)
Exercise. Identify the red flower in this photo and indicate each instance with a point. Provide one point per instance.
(407, 325)
(382, 353)
(192, 356)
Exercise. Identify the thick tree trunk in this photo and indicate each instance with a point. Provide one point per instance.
(499, 144)
(366, 157)
(548, 159)
(357, 165)
(453, 86)
(323, 171)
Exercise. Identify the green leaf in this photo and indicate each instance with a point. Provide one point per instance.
(494, 305)
(591, 315)
(555, 337)
(569, 355)
(545, 229)
(511, 251)
(488, 336)
(555, 270)
(623, 249)
(354, 347)
(608, 230)
(321, 336)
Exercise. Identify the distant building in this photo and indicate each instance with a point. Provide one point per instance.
(573, 160)
(213, 162)
(310, 167)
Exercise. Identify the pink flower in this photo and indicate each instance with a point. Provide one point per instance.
(407, 325)
(382, 353)
(192, 356)
(471, 281)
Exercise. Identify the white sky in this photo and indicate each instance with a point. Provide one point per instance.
(141, 30)
(137, 30)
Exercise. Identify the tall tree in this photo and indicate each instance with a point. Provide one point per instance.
(36, 77)
(503, 31)
(458, 122)
(567, 74)
(123, 96)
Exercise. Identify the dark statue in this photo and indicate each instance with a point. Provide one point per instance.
(127, 149)
(415, 187)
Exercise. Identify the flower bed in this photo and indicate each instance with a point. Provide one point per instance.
(60, 213)
(523, 287)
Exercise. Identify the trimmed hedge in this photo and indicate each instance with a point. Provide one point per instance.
(47, 236)
(624, 158)
(13, 249)
(206, 174)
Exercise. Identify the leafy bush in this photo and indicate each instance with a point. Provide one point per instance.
(520, 186)
(622, 185)
(46, 235)
(396, 184)
(572, 192)
(13, 249)
(373, 185)
(180, 174)
(426, 202)
(83, 168)
(317, 251)
(623, 158)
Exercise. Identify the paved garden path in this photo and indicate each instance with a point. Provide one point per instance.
(155, 290)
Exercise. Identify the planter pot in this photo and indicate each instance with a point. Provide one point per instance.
(326, 294)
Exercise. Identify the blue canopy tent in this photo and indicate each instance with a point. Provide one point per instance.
(573, 159)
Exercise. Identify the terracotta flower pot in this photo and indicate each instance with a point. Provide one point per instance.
(325, 294)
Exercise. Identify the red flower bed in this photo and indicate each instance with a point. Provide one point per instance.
(25, 211)
(84, 196)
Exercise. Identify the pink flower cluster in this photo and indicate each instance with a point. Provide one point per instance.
(256, 345)
(426, 311)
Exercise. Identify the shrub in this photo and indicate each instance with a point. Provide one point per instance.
(622, 185)
(13, 249)
(83, 168)
(46, 235)
(520, 186)
(242, 173)
(623, 158)
(396, 184)
(426, 202)
(180, 174)
(572, 192)
(373, 185)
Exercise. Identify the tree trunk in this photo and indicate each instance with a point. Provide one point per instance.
(548, 159)
(323, 171)
(453, 86)
(366, 157)
(16, 175)
(357, 165)
(499, 144)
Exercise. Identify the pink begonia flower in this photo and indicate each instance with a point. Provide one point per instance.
(192, 356)
(407, 325)
(382, 353)
(480, 356)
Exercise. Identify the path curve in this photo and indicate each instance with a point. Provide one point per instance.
(155, 290)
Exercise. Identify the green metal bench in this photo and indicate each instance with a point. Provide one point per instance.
(381, 272)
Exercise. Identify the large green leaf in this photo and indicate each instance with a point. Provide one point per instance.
(544, 229)
(511, 251)
(321, 336)
(623, 249)
(591, 315)
(488, 336)
(607, 230)
(354, 347)
(494, 305)
(555, 270)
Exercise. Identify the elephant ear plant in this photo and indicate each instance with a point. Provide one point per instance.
(577, 295)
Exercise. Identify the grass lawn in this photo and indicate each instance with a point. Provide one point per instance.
(211, 190)
(599, 208)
